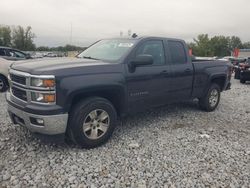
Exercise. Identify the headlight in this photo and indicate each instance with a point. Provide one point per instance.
(45, 83)
(43, 97)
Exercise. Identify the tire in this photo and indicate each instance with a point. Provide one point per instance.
(242, 81)
(92, 122)
(212, 98)
(3, 84)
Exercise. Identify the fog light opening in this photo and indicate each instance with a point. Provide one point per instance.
(40, 121)
(37, 121)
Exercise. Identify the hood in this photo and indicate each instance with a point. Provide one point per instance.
(51, 65)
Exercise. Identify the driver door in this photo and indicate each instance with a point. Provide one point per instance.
(147, 85)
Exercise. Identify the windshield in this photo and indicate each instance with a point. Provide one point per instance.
(110, 50)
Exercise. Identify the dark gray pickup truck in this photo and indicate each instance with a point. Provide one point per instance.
(83, 97)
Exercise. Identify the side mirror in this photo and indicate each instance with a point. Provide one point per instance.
(143, 59)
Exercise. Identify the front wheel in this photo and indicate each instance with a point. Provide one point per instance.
(212, 98)
(92, 122)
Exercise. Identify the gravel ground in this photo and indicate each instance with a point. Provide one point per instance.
(174, 146)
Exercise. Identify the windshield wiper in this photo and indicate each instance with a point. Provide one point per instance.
(89, 57)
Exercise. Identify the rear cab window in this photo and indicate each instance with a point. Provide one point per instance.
(177, 52)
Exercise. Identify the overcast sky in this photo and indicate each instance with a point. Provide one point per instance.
(93, 19)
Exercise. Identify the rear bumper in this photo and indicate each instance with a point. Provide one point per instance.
(52, 124)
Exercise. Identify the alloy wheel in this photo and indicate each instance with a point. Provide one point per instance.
(213, 98)
(96, 124)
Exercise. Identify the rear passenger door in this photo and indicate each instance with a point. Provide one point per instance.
(182, 68)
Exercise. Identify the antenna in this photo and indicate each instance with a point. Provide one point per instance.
(121, 33)
(129, 33)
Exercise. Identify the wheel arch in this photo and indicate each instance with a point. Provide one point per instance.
(116, 95)
(220, 80)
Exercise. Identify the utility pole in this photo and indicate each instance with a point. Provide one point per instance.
(121, 33)
(70, 33)
(129, 33)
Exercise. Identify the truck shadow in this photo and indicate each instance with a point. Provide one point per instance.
(127, 124)
(247, 83)
(150, 117)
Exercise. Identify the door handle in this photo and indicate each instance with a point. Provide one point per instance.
(165, 73)
(187, 71)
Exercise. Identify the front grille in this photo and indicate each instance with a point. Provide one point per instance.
(21, 94)
(18, 79)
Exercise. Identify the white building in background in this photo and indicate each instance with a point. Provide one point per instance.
(244, 53)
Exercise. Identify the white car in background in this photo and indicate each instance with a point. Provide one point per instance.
(4, 66)
(51, 54)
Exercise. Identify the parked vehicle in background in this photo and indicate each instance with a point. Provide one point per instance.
(196, 58)
(4, 66)
(13, 54)
(245, 71)
(35, 55)
(50, 54)
(82, 97)
(237, 61)
(226, 58)
(237, 70)
(240, 66)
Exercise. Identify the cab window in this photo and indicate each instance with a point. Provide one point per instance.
(154, 48)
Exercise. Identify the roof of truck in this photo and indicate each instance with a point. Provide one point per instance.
(145, 37)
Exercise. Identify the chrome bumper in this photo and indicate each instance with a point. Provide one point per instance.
(53, 124)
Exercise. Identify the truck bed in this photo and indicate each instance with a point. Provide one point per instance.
(203, 71)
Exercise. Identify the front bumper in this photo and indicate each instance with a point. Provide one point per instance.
(52, 124)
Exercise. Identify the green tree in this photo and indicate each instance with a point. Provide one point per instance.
(220, 46)
(61, 48)
(235, 42)
(23, 38)
(246, 45)
(43, 48)
(5, 36)
(216, 46)
(202, 46)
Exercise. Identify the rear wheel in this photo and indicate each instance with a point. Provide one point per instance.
(3, 84)
(212, 98)
(92, 122)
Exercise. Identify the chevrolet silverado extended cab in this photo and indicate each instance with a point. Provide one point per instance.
(83, 97)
